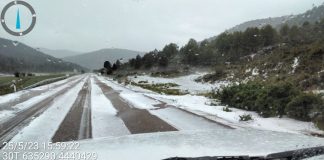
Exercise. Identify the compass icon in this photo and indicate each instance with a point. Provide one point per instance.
(18, 30)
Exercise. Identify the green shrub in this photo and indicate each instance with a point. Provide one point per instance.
(127, 82)
(226, 109)
(242, 96)
(273, 99)
(217, 75)
(171, 84)
(246, 117)
(167, 74)
(213, 94)
(5, 89)
(304, 106)
(321, 94)
(213, 102)
(164, 88)
(143, 82)
(319, 121)
(17, 74)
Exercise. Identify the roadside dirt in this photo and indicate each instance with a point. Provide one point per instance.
(136, 120)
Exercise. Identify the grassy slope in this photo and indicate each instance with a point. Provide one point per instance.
(25, 82)
(4, 80)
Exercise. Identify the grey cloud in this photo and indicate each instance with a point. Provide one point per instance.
(86, 25)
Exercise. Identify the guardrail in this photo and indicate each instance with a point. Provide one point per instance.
(46, 81)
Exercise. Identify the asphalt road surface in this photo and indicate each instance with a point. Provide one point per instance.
(78, 124)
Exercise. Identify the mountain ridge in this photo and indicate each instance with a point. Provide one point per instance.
(311, 15)
(60, 53)
(96, 59)
(16, 56)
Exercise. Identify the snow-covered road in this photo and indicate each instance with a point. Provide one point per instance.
(59, 112)
(92, 107)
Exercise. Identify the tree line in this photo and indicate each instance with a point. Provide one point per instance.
(110, 68)
(228, 46)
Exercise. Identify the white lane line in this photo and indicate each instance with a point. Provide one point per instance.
(85, 123)
(103, 115)
(43, 128)
(184, 121)
(135, 99)
(174, 117)
(5, 114)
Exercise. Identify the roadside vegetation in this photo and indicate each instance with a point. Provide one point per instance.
(22, 81)
(162, 88)
(227, 109)
(276, 68)
(246, 117)
(274, 100)
(168, 73)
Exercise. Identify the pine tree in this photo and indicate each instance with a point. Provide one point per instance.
(107, 65)
(138, 62)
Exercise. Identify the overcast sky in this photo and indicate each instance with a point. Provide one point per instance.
(143, 25)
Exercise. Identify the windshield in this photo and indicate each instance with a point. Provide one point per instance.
(157, 79)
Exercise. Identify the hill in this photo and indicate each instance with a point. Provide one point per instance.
(96, 59)
(274, 72)
(312, 15)
(290, 52)
(15, 56)
(59, 53)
